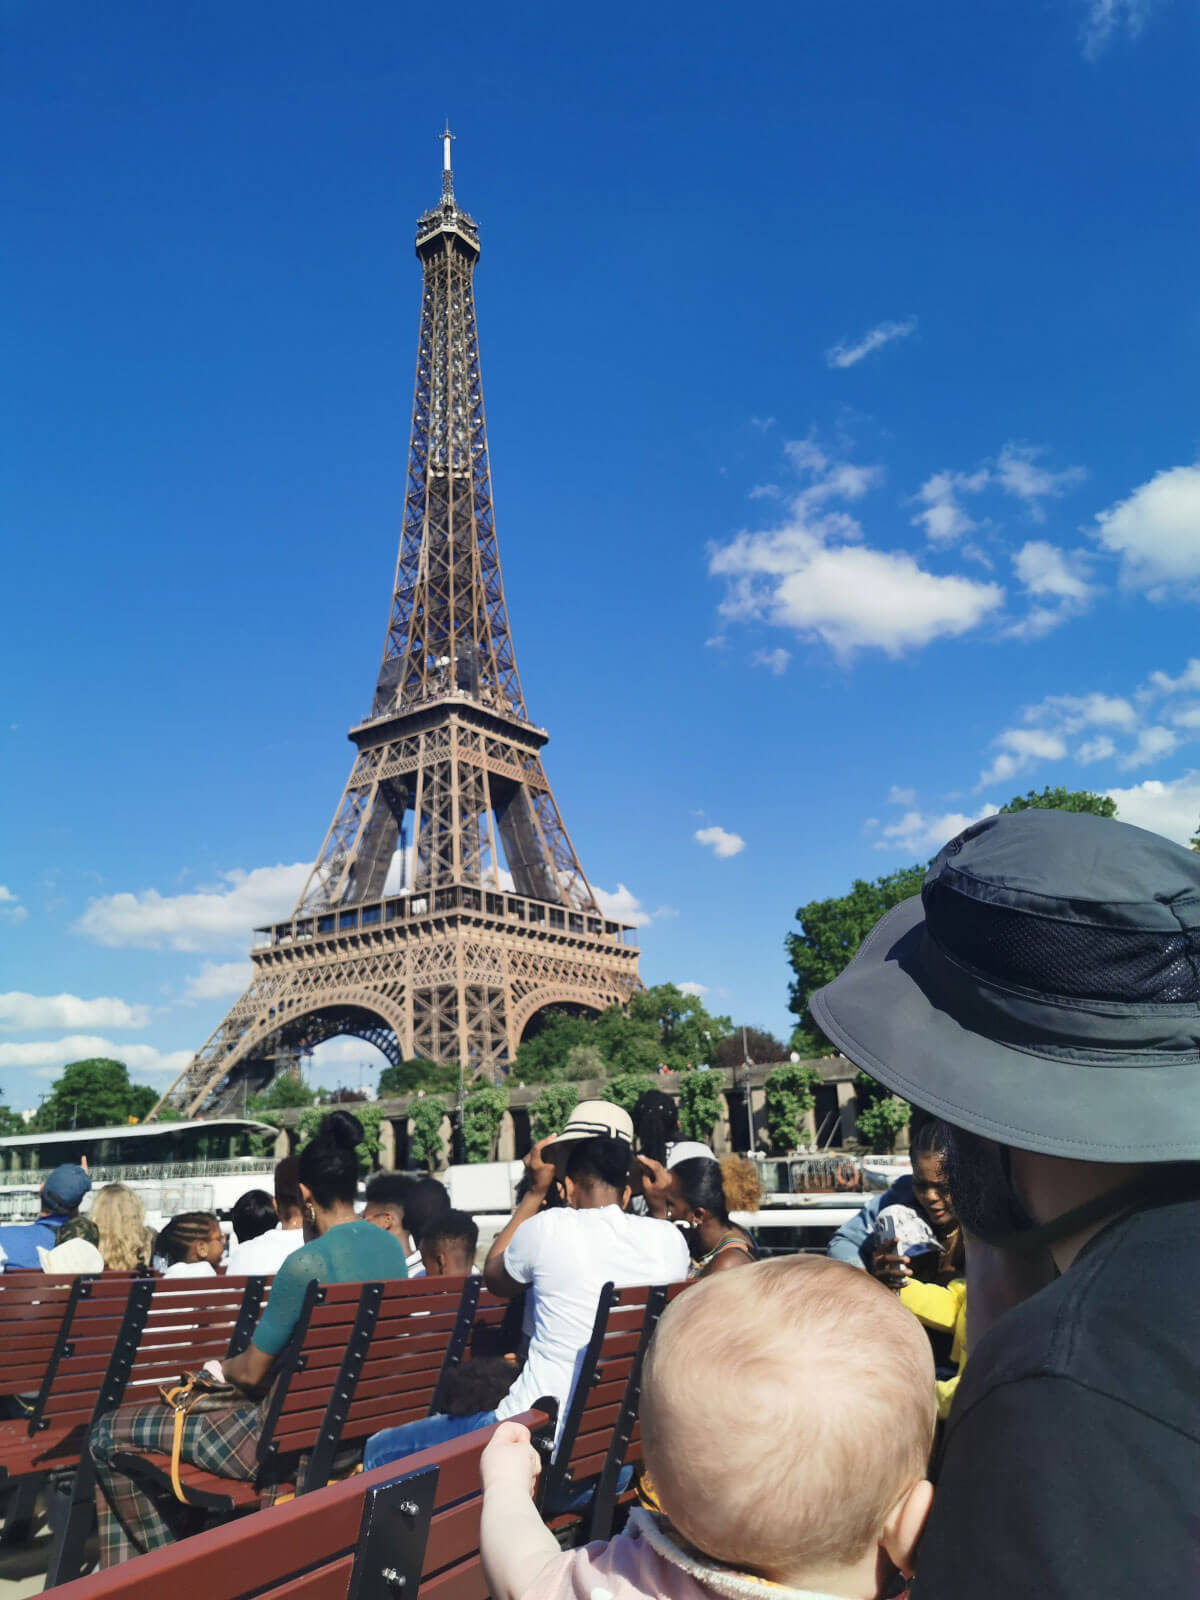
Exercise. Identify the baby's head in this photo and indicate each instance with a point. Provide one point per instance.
(787, 1415)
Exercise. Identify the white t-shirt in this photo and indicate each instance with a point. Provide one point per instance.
(567, 1257)
(191, 1269)
(263, 1257)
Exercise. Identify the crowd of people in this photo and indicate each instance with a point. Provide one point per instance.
(986, 1388)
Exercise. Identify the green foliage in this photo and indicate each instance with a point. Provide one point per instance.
(1100, 805)
(93, 1094)
(880, 1115)
(551, 1108)
(425, 1113)
(584, 1061)
(789, 1095)
(685, 1032)
(409, 1076)
(699, 1103)
(285, 1092)
(760, 1046)
(545, 1056)
(10, 1122)
(482, 1110)
(830, 933)
(627, 1088)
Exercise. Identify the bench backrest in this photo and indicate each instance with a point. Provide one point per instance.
(31, 1314)
(364, 1357)
(421, 1526)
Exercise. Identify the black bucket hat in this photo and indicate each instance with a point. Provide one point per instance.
(1043, 990)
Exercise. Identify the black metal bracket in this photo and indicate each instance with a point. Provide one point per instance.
(329, 1434)
(62, 1344)
(392, 1537)
(459, 1334)
(247, 1317)
(290, 1362)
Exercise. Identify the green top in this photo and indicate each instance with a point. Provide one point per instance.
(353, 1252)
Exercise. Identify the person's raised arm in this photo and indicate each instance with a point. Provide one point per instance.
(541, 1175)
(656, 1186)
(514, 1543)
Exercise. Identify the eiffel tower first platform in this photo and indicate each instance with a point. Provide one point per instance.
(447, 906)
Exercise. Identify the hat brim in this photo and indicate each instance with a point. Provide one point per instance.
(586, 1133)
(881, 1015)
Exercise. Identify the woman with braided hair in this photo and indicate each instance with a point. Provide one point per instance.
(191, 1244)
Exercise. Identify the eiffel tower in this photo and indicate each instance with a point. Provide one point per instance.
(447, 907)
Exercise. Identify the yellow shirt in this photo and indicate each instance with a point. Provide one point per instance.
(945, 1309)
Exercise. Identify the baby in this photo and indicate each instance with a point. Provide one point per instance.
(787, 1416)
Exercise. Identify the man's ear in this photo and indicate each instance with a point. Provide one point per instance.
(905, 1522)
(626, 1192)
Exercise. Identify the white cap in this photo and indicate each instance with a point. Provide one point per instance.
(688, 1150)
(77, 1255)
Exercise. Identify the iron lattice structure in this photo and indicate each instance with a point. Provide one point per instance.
(447, 905)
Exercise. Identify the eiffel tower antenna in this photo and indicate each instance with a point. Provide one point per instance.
(447, 906)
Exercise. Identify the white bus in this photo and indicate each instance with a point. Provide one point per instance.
(173, 1166)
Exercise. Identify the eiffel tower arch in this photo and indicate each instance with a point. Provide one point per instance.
(447, 906)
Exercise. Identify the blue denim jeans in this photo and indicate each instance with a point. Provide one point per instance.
(393, 1444)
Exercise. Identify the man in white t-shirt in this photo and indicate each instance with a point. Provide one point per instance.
(265, 1253)
(563, 1257)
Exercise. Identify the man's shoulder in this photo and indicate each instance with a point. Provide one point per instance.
(1120, 1322)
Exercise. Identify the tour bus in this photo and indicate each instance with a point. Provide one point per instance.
(173, 1166)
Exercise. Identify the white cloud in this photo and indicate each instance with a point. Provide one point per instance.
(1170, 808)
(762, 423)
(723, 844)
(1101, 748)
(849, 355)
(918, 833)
(1044, 569)
(698, 989)
(1151, 743)
(622, 905)
(1017, 472)
(1020, 749)
(1188, 679)
(1156, 532)
(48, 1056)
(19, 1011)
(943, 518)
(1186, 716)
(1076, 711)
(1108, 17)
(775, 661)
(901, 797)
(199, 921)
(11, 909)
(217, 980)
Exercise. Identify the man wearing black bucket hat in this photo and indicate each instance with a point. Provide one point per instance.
(1042, 996)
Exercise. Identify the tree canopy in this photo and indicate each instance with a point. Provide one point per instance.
(93, 1093)
(831, 930)
(409, 1076)
(662, 1027)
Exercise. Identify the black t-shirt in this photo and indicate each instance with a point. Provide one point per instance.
(1071, 1466)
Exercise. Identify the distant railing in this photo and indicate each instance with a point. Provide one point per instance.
(153, 1172)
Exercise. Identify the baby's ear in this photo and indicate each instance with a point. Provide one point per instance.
(902, 1530)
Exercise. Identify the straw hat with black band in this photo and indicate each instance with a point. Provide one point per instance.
(1042, 991)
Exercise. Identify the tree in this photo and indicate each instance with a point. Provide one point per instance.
(544, 1056)
(789, 1096)
(686, 1033)
(627, 1088)
(1100, 805)
(699, 1103)
(425, 1113)
(880, 1116)
(584, 1061)
(11, 1122)
(830, 933)
(549, 1111)
(93, 1093)
(483, 1107)
(760, 1046)
(409, 1076)
(285, 1092)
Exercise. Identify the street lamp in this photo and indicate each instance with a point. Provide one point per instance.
(749, 1107)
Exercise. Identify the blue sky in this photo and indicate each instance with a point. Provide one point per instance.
(840, 365)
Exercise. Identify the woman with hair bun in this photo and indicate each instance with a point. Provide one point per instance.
(339, 1248)
(701, 1193)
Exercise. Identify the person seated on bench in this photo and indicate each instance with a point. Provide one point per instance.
(700, 1192)
(61, 1194)
(191, 1244)
(564, 1256)
(262, 1254)
(406, 1207)
(339, 1248)
(448, 1245)
(787, 1416)
(123, 1237)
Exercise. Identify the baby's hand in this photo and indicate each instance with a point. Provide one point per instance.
(510, 1461)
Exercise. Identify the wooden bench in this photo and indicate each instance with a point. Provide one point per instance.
(120, 1342)
(600, 1433)
(362, 1356)
(383, 1535)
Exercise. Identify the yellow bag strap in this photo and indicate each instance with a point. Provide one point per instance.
(177, 1399)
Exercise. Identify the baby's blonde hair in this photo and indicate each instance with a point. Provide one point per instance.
(785, 1410)
(121, 1223)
